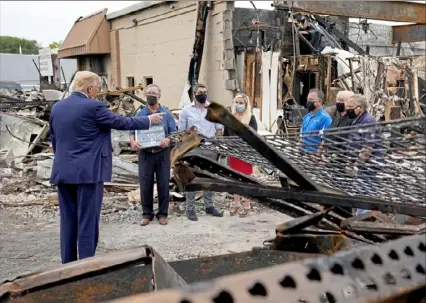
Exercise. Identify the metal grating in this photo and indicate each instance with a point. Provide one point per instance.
(393, 171)
(366, 274)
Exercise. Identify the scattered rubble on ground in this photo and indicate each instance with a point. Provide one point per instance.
(26, 190)
(26, 160)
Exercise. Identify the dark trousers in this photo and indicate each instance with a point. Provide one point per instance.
(158, 164)
(80, 210)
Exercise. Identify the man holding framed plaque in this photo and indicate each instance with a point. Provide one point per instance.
(154, 157)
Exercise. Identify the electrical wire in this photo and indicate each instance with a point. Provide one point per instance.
(23, 140)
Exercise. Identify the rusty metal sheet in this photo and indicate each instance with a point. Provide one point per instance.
(164, 275)
(380, 10)
(372, 273)
(207, 268)
(409, 33)
(100, 278)
(106, 285)
(71, 270)
(84, 280)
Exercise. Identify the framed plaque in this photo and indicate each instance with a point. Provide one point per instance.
(150, 137)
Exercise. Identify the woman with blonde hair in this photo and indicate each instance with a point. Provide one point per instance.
(241, 109)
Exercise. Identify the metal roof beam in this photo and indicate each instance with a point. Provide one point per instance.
(409, 33)
(398, 11)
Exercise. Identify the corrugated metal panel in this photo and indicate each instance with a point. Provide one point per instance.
(21, 69)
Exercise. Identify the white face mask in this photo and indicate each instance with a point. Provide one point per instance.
(239, 108)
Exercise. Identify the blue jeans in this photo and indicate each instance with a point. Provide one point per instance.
(366, 182)
(207, 195)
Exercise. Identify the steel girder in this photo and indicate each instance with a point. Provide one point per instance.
(409, 33)
(399, 11)
(251, 190)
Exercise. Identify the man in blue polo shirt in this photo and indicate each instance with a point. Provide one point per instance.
(316, 120)
(154, 160)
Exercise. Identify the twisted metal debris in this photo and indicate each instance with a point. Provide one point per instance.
(384, 161)
(384, 273)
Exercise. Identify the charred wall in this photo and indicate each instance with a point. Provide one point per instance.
(273, 28)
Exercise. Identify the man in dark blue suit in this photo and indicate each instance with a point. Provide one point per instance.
(80, 130)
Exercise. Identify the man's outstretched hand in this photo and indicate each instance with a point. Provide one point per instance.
(155, 118)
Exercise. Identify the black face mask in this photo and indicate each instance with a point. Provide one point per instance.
(152, 100)
(340, 107)
(202, 98)
(310, 105)
(351, 113)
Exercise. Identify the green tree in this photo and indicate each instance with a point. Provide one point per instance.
(55, 44)
(10, 45)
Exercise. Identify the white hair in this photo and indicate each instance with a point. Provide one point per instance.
(344, 95)
(360, 100)
(83, 80)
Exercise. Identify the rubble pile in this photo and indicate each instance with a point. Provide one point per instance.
(25, 189)
(26, 156)
(26, 161)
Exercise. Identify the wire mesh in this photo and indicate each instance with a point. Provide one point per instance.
(383, 160)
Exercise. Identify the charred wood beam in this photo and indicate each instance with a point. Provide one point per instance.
(399, 11)
(308, 44)
(136, 98)
(198, 47)
(387, 228)
(133, 96)
(331, 29)
(409, 33)
(398, 48)
(253, 190)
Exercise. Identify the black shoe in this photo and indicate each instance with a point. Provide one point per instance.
(214, 212)
(190, 214)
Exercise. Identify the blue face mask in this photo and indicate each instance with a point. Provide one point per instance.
(240, 108)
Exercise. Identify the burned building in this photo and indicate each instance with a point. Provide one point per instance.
(153, 42)
(275, 57)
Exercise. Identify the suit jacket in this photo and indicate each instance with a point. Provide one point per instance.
(80, 130)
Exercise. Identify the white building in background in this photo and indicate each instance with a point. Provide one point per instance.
(21, 69)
